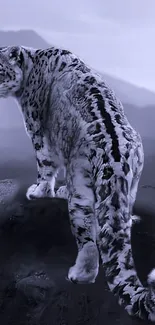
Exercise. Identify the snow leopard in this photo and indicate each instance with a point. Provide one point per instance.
(76, 122)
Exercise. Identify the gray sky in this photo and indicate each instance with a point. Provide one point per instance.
(115, 36)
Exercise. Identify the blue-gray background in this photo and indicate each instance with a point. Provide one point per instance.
(115, 37)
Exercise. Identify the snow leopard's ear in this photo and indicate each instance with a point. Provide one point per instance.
(15, 55)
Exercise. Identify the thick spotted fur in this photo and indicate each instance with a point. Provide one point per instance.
(75, 121)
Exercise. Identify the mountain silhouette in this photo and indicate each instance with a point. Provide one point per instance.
(22, 37)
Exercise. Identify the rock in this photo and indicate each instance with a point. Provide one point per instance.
(8, 190)
(37, 249)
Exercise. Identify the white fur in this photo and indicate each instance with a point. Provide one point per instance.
(151, 277)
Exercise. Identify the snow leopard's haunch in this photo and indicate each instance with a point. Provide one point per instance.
(75, 121)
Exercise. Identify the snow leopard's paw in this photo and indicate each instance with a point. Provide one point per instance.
(86, 267)
(62, 192)
(42, 190)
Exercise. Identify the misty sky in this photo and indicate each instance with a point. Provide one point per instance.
(113, 36)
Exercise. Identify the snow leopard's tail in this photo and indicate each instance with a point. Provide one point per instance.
(116, 255)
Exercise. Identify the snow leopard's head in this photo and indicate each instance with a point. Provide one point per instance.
(11, 70)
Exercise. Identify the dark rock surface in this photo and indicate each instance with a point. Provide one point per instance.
(36, 251)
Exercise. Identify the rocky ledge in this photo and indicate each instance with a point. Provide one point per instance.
(36, 251)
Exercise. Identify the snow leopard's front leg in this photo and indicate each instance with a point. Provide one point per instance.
(47, 170)
(81, 202)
